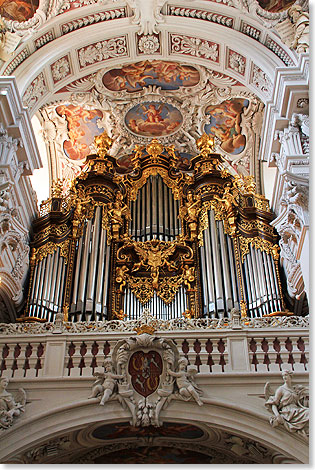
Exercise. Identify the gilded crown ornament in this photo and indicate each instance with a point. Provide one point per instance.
(154, 148)
(103, 143)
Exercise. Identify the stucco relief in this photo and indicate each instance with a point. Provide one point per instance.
(144, 375)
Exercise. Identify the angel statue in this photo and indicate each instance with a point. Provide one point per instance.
(288, 405)
(117, 211)
(10, 406)
(105, 382)
(185, 382)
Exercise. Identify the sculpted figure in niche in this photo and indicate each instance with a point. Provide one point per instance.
(288, 406)
(9, 408)
(185, 382)
(105, 383)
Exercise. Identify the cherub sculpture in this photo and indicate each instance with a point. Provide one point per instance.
(185, 382)
(288, 406)
(10, 407)
(106, 382)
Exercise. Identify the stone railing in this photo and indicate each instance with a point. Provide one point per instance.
(60, 349)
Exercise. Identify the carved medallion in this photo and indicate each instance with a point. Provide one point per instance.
(145, 370)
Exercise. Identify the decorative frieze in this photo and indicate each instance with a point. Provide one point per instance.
(204, 15)
(149, 44)
(100, 51)
(93, 18)
(195, 47)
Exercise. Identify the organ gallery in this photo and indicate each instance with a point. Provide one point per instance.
(154, 232)
(181, 238)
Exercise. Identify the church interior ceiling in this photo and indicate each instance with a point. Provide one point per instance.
(150, 81)
(168, 100)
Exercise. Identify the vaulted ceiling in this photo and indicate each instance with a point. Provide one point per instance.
(143, 69)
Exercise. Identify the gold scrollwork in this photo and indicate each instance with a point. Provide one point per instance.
(58, 230)
(173, 184)
(260, 244)
(102, 143)
(253, 225)
(143, 288)
(50, 247)
(262, 203)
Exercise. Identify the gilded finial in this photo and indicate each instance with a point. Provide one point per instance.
(102, 143)
(154, 148)
(205, 143)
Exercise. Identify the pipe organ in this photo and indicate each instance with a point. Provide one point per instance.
(177, 238)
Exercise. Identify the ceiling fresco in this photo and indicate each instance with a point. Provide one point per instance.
(82, 127)
(164, 74)
(225, 123)
(153, 119)
(168, 430)
(18, 10)
(275, 6)
(168, 100)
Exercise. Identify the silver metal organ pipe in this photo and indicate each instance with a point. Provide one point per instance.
(84, 263)
(259, 281)
(207, 244)
(259, 260)
(233, 272)
(226, 270)
(138, 204)
(62, 283)
(77, 274)
(148, 209)
(46, 282)
(269, 277)
(98, 294)
(162, 209)
(58, 280)
(143, 209)
(106, 276)
(155, 207)
(216, 263)
(204, 280)
(248, 285)
(53, 280)
(36, 290)
(252, 282)
(49, 281)
(171, 214)
(276, 282)
(41, 287)
(93, 260)
(256, 278)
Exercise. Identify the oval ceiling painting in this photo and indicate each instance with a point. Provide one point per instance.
(161, 73)
(225, 123)
(153, 119)
(18, 10)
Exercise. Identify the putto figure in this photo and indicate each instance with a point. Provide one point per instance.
(106, 382)
(289, 406)
(185, 382)
(10, 407)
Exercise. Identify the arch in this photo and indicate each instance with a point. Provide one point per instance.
(215, 414)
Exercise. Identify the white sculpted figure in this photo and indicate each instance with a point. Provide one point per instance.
(105, 383)
(301, 22)
(185, 382)
(9, 408)
(288, 406)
